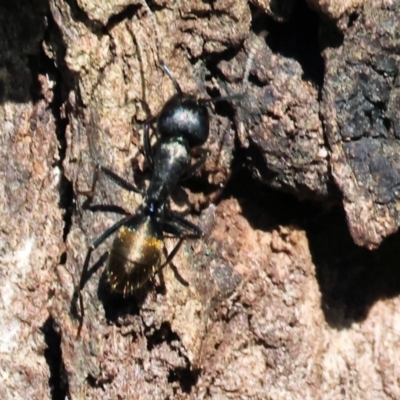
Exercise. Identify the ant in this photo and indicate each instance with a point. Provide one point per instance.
(136, 253)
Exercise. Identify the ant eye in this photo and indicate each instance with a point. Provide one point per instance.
(183, 116)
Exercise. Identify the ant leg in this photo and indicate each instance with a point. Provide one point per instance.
(193, 168)
(178, 223)
(124, 184)
(96, 243)
(90, 193)
(176, 229)
(210, 198)
(111, 175)
(148, 151)
(175, 250)
(176, 226)
(171, 255)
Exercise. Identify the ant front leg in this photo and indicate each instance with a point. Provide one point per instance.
(193, 168)
(148, 151)
(124, 184)
(212, 197)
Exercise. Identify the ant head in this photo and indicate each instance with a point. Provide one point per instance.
(184, 116)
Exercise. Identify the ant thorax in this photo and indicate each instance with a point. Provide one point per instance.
(171, 161)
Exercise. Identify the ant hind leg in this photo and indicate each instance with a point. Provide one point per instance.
(85, 270)
(182, 229)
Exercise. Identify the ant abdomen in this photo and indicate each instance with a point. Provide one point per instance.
(184, 116)
(135, 255)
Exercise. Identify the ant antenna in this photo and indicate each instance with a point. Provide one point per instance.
(254, 48)
(249, 63)
(161, 62)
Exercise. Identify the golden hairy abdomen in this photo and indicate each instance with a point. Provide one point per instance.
(134, 258)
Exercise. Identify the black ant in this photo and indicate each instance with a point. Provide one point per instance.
(136, 253)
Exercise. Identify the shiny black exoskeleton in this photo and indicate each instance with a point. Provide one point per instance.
(136, 253)
(182, 124)
(184, 116)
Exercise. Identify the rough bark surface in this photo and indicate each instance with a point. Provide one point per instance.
(31, 233)
(276, 301)
(360, 109)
